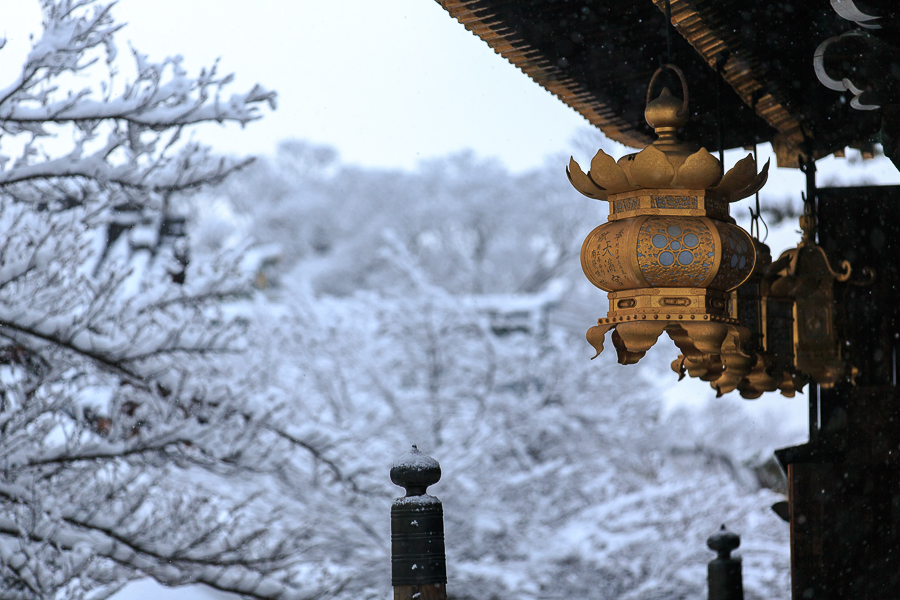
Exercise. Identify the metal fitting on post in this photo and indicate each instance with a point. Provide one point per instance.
(418, 562)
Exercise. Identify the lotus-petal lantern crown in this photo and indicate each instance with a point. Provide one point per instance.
(669, 253)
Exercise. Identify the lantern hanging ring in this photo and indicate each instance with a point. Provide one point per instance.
(684, 87)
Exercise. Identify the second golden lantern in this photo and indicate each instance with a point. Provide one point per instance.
(670, 253)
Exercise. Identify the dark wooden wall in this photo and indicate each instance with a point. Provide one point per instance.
(845, 483)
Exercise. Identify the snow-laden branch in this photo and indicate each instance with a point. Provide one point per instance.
(87, 538)
(142, 120)
(192, 167)
(67, 34)
(163, 107)
(161, 96)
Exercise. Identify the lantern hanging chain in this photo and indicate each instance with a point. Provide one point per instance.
(756, 217)
(719, 60)
(668, 61)
(670, 49)
(755, 220)
(755, 163)
(808, 167)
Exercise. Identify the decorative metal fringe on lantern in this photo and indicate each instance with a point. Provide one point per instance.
(770, 320)
(670, 253)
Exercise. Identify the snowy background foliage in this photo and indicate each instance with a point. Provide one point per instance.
(203, 379)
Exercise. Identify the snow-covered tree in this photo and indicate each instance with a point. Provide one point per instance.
(560, 476)
(123, 453)
(471, 225)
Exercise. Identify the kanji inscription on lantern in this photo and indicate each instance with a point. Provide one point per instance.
(625, 205)
(602, 257)
(674, 201)
(716, 208)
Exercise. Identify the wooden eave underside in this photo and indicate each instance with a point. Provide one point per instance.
(710, 37)
(770, 91)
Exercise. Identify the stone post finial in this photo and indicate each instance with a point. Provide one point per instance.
(415, 471)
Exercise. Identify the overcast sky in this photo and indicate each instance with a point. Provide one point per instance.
(387, 83)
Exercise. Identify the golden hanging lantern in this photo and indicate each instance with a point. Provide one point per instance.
(670, 253)
(805, 275)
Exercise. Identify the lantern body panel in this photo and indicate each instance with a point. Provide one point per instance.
(678, 251)
(667, 252)
(738, 257)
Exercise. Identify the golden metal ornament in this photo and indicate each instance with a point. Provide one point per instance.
(773, 323)
(805, 275)
(770, 321)
(670, 252)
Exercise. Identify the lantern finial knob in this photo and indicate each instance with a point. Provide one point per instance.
(665, 113)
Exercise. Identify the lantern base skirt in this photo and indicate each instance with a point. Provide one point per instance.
(667, 304)
(697, 321)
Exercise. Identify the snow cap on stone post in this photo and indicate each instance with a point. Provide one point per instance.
(415, 471)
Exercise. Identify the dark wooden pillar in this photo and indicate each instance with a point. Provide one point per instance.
(844, 485)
